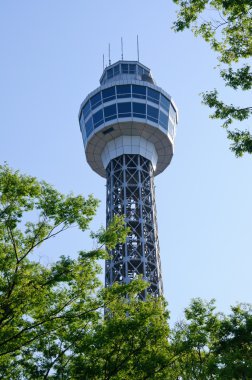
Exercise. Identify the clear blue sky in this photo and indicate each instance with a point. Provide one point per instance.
(51, 58)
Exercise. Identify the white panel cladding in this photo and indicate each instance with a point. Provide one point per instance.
(129, 145)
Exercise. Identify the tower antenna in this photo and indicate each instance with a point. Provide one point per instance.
(122, 47)
(137, 49)
(109, 54)
(103, 61)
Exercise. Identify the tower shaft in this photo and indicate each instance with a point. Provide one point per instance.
(130, 192)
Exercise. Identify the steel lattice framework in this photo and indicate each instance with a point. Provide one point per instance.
(130, 192)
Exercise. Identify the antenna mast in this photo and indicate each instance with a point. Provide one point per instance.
(109, 56)
(122, 48)
(137, 49)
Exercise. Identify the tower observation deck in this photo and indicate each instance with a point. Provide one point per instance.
(128, 127)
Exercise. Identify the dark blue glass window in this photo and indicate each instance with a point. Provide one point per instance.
(138, 91)
(95, 100)
(124, 109)
(89, 126)
(140, 70)
(98, 118)
(123, 91)
(110, 112)
(163, 120)
(153, 95)
(110, 73)
(139, 110)
(164, 102)
(132, 69)
(116, 70)
(152, 113)
(125, 68)
(86, 110)
(108, 94)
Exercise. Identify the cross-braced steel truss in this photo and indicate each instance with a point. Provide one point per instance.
(130, 192)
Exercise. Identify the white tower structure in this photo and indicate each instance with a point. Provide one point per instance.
(128, 127)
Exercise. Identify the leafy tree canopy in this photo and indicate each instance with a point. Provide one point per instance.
(211, 345)
(52, 324)
(227, 26)
(51, 317)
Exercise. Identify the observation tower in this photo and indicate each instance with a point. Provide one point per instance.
(128, 127)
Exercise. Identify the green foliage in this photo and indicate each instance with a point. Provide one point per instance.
(233, 347)
(51, 318)
(115, 233)
(227, 27)
(131, 343)
(34, 298)
(238, 78)
(241, 142)
(210, 345)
